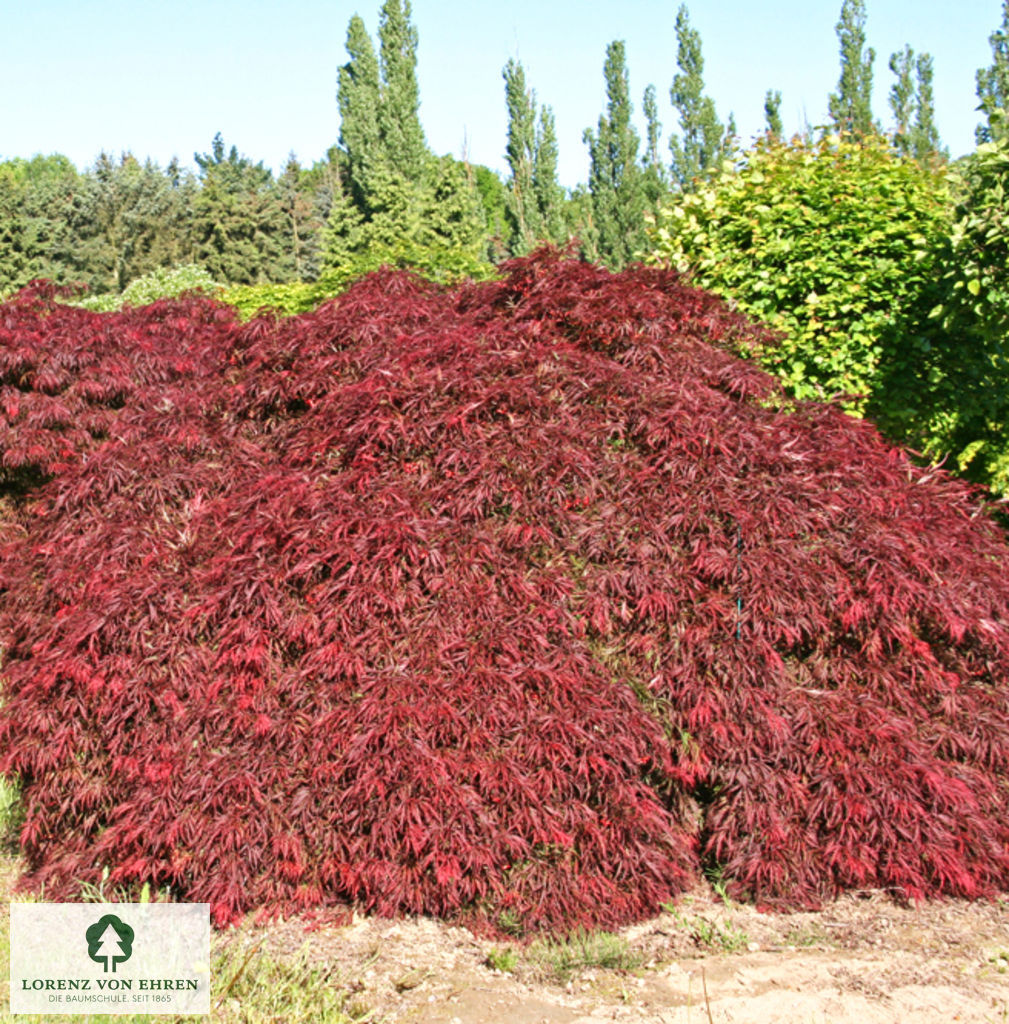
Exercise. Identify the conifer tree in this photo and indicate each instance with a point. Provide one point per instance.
(403, 143)
(239, 228)
(704, 141)
(851, 106)
(358, 99)
(396, 199)
(300, 218)
(772, 113)
(37, 207)
(993, 82)
(615, 180)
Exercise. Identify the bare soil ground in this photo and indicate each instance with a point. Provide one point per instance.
(861, 960)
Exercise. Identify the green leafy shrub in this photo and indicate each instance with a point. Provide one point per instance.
(959, 402)
(443, 264)
(830, 242)
(163, 283)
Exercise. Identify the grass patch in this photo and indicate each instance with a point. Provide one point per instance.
(709, 934)
(561, 960)
(247, 986)
(502, 960)
(11, 812)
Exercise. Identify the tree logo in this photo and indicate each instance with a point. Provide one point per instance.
(110, 942)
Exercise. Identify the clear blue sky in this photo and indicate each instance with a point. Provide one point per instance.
(160, 78)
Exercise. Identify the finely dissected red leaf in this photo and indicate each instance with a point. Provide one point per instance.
(517, 603)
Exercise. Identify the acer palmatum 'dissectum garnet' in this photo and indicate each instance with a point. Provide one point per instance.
(518, 604)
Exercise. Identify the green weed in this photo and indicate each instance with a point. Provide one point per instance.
(562, 959)
(502, 960)
(709, 934)
(247, 986)
(11, 811)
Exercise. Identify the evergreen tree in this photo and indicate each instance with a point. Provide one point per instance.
(301, 223)
(653, 128)
(851, 106)
(443, 220)
(320, 183)
(403, 144)
(238, 221)
(704, 141)
(36, 206)
(494, 199)
(902, 99)
(391, 198)
(993, 82)
(343, 235)
(358, 99)
(772, 114)
(615, 180)
(128, 219)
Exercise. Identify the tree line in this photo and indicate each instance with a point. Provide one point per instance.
(380, 187)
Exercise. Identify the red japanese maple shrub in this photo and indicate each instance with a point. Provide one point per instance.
(466, 602)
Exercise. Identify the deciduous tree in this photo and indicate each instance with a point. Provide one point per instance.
(993, 81)
(358, 100)
(772, 113)
(615, 179)
(403, 144)
(703, 140)
(851, 106)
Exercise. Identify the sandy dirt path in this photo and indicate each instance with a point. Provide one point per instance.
(861, 960)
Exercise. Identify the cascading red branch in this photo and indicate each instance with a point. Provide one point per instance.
(516, 604)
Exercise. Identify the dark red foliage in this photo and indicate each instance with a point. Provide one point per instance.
(466, 602)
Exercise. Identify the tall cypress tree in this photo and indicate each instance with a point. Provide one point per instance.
(704, 141)
(615, 180)
(993, 81)
(851, 106)
(403, 143)
(358, 99)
